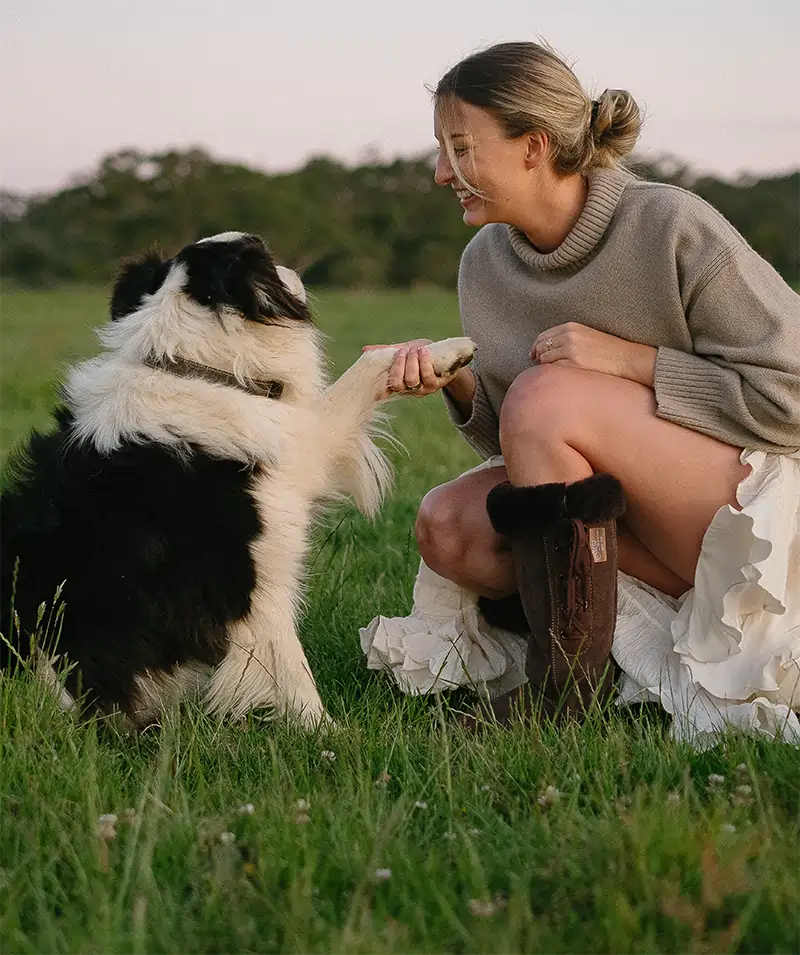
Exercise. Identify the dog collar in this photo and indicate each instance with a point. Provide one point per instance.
(184, 368)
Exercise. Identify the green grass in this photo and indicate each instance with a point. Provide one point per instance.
(637, 854)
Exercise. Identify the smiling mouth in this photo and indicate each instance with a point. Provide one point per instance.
(464, 195)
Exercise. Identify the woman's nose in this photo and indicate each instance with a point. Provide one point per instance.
(444, 171)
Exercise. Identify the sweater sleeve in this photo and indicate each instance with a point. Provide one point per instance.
(481, 430)
(742, 382)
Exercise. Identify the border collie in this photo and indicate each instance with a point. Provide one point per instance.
(174, 499)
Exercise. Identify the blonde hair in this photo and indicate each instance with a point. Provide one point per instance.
(527, 87)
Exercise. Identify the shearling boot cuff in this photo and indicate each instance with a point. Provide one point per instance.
(514, 509)
(524, 509)
(595, 499)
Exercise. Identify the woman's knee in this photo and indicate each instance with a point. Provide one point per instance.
(440, 530)
(542, 404)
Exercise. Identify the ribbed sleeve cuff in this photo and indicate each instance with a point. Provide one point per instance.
(688, 391)
(482, 429)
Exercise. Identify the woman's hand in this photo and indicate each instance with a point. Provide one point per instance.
(412, 372)
(584, 347)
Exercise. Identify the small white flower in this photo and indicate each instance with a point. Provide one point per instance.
(303, 805)
(383, 875)
(449, 835)
(481, 908)
(715, 779)
(485, 788)
(741, 769)
(106, 830)
(247, 809)
(108, 818)
(475, 832)
(328, 754)
(742, 796)
(549, 796)
(420, 804)
(728, 827)
(227, 838)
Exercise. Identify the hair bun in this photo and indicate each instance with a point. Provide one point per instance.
(615, 125)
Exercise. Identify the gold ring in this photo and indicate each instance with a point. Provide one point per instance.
(417, 387)
(548, 344)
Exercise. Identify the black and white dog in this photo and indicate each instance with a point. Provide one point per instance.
(174, 499)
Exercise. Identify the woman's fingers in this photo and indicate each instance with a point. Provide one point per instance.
(412, 369)
(396, 379)
(545, 348)
(428, 377)
(412, 379)
(549, 353)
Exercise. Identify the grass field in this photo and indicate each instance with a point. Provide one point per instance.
(397, 833)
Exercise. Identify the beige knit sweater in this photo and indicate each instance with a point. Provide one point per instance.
(653, 264)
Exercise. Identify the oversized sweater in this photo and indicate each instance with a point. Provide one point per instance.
(654, 264)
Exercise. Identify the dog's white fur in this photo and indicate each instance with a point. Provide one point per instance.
(316, 443)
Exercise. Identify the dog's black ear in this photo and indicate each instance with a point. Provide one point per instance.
(136, 279)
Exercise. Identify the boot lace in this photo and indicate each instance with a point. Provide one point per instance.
(575, 586)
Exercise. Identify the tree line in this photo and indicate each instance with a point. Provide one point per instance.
(380, 224)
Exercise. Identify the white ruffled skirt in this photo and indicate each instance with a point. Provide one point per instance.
(726, 655)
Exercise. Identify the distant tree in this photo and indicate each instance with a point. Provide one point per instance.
(381, 223)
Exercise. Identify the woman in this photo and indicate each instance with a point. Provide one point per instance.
(629, 340)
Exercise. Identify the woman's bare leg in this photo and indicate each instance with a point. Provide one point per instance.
(560, 423)
(635, 559)
(457, 541)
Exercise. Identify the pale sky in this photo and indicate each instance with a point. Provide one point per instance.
(273, 83)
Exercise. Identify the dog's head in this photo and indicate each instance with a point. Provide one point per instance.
(229, 272)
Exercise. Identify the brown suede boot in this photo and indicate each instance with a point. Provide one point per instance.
(564, 545)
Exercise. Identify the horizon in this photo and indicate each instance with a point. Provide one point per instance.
(82, 79)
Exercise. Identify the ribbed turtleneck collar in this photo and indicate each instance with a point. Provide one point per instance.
(605, 189)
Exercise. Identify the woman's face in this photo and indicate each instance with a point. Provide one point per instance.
(499, 167)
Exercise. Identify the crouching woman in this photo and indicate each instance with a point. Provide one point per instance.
(637, 363)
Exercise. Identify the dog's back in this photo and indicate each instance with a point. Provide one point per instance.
(152, 546)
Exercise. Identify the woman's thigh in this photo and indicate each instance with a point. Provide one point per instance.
(675, 479)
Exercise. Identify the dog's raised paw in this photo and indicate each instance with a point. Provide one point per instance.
(450, 354)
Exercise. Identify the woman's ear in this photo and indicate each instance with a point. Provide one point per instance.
(537, 147)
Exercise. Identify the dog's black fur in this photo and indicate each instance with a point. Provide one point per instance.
(219, 275)
(154, 547)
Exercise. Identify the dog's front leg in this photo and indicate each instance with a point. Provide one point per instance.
(348, 408)
(266, 666)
